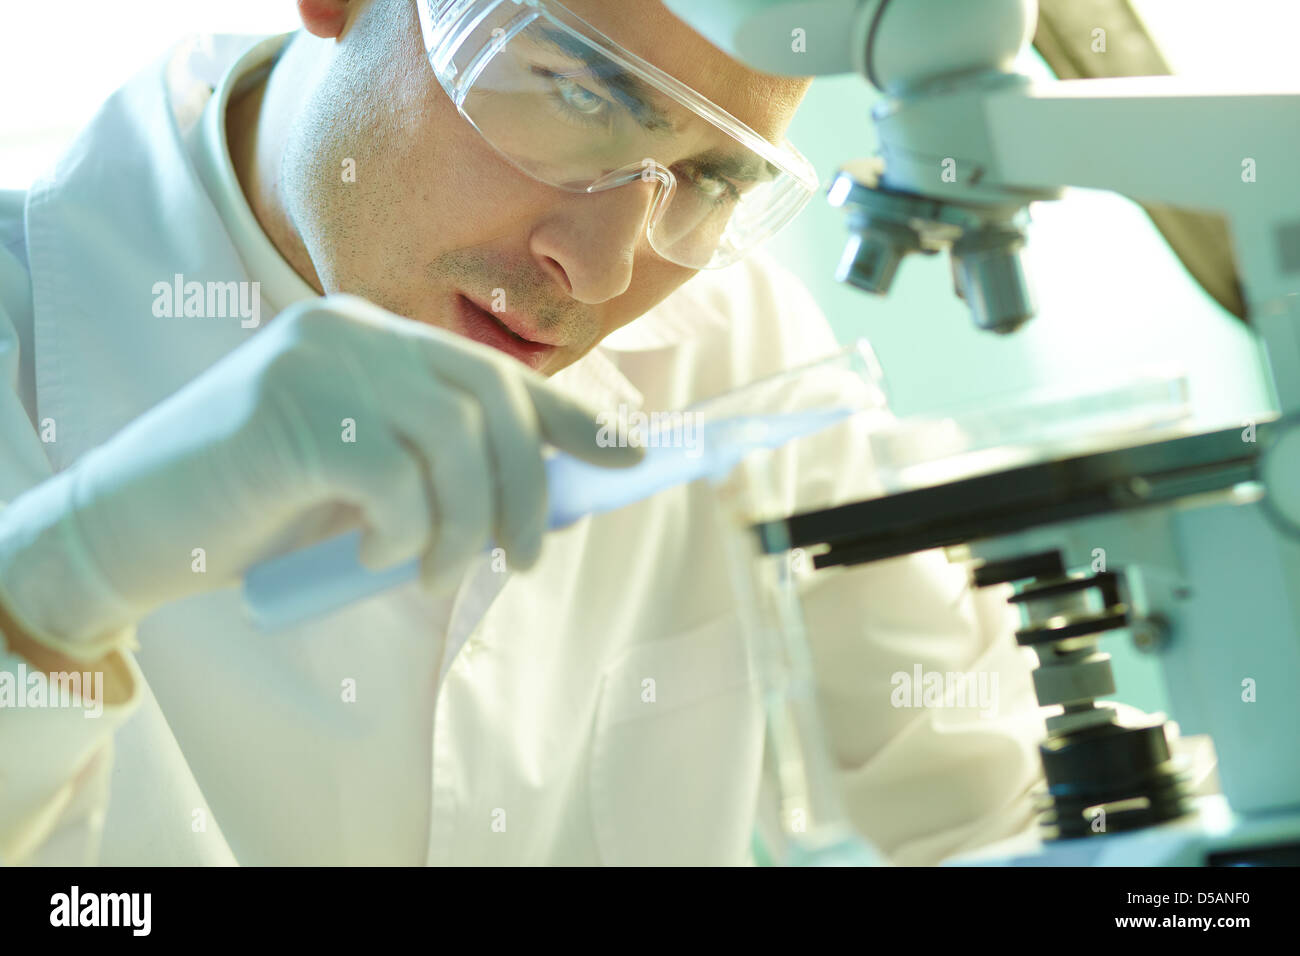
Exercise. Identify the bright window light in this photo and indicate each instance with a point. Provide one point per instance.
(59, 61)
(1244, 39)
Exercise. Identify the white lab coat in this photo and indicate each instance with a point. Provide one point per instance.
(519, 732)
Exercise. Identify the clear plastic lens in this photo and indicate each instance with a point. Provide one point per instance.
(565, 106)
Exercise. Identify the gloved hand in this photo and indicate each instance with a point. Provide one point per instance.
(447, 455)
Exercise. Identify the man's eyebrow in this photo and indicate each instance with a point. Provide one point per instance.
(741, 167)
(631, 92)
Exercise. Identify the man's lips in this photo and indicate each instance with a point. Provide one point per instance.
(500, 331)
(518, 324)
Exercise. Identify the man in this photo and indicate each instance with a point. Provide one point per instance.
(589, 699)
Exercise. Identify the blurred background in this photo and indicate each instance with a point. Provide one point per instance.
(1113, 299)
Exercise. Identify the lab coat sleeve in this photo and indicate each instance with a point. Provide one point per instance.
(922, 780)
(55, 764)
(54, 761)
(924, 774)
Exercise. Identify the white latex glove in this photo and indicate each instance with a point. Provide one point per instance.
(447, 455)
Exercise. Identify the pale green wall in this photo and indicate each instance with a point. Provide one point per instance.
(1112, 298)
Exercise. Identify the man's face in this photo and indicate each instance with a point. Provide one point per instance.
(396, 197)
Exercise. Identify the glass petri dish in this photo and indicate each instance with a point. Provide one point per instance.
(919, 451)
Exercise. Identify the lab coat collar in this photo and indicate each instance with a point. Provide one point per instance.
(280, 282)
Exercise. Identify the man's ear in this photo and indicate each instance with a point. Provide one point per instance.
(324, 18)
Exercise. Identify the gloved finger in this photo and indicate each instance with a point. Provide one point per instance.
(514, 442)
(451, 438)
(574, 429)
(383, 477)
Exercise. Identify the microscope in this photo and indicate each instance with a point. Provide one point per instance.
(1199, 531)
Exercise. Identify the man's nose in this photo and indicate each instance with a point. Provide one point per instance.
(589, 243)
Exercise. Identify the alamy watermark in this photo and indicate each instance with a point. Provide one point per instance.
(966, 689)
(208, 300)
(20, 688)
(627, 427)
(132, 911)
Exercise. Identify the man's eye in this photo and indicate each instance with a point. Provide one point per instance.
(579, 97)
(571, 96)
(713, 187)
(716, 189)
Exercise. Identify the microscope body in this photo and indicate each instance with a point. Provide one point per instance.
(1195, 555)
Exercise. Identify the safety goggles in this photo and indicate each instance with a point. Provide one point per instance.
(571, 108)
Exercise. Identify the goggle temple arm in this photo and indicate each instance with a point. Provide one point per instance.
(647, 171)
